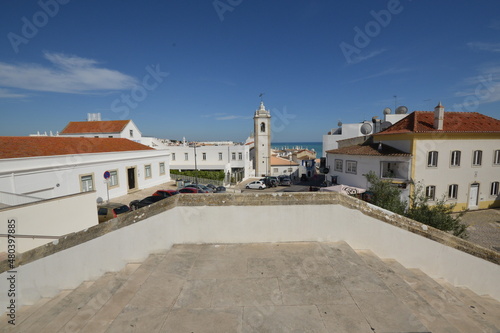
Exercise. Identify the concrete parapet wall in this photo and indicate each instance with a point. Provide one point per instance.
(251, 218)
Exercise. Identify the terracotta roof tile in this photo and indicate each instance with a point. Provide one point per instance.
(369, 149)
(275, 161)
(109, 126)
(31, 146)
(423, 122)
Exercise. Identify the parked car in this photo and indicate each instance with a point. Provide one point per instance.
(110, 210)
(285, 181)
(269, 182)
(212, 186)
(256, 184)
(136, 204)
(165, 193)
(191, 190)
(201, 187)
(220, 189)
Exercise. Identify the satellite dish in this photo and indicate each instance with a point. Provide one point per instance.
(339, 124)
(401, 109)
(99, 200)
(387, 111)
(385, 125)
(366, 128)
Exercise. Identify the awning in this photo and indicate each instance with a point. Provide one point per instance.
(345, 189)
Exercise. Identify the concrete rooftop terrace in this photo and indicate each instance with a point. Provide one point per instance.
(268, 287)
(257, 263)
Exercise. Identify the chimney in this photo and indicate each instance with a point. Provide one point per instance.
(439, 116)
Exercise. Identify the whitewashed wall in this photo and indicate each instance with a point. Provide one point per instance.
(54, 217)
(55, 176)
(250, 224)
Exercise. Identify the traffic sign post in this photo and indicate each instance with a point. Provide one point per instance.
(107, 179)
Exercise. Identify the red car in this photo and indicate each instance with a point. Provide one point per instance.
(191, 190)
(165, 193)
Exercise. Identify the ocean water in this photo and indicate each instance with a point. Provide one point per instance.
(316, 146)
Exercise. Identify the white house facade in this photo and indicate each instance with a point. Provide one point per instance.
(450, 155)
(362, 129)
(232, 159)
(49, 167)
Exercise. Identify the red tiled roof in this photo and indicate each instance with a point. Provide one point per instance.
(369, 149)
(275, 160)
(31, 146)
(423, 121)
(109, 126)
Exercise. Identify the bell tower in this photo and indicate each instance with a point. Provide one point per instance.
(262, 138)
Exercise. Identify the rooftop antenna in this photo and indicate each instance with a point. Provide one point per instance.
(395, 101)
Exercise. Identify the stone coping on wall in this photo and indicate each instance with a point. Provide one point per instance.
(254, 199)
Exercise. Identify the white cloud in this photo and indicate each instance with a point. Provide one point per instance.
(68, 74)
(389, 71)
(5, 93)
(360, 58)
(482, 46)
(482, 88)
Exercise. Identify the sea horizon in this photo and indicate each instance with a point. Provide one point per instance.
(317, 146)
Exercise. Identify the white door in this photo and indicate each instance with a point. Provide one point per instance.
(473, 194)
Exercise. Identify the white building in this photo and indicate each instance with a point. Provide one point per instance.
(233, 159)
(110, 129)
(455, 155)
(262, 140)
(284, 167)
(363, 129)
(48, 167)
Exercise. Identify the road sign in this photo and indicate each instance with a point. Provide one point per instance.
(107, 175)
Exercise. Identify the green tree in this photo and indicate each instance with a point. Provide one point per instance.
(439, 215)
(385, 194)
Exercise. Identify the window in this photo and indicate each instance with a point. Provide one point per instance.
(87, 183)
(351, 167)
(262, 127)
(113, 179)
(477, 157)
(289, 169)
(430, 192)
(220, 156)
(173, 156)
(110, 136)
(452, 191)
(338, 165)
(494, 188)
(204, 155)
(147, 171)
(162, 168)
(240, 156)
(496, 157)
(275, 170)
(432, 159)
(455, 158)
(233, 156)
(96, 136)
(131, 133)
(186, 156)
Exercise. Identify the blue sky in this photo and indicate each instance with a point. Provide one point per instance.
(195, 69)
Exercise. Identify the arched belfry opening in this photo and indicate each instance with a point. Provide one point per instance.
(262, 127)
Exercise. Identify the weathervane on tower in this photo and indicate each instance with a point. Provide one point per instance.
(261, 94)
